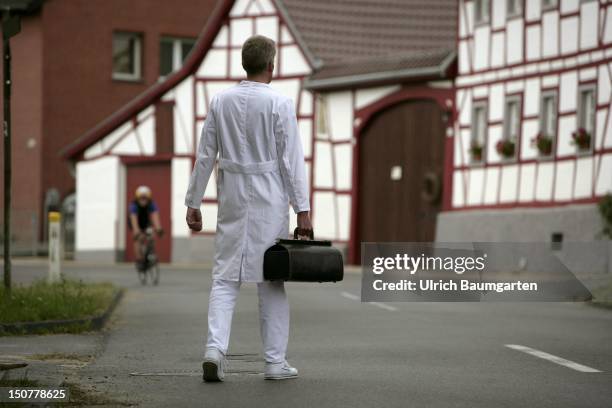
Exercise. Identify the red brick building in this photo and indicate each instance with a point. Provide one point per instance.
(74, 63)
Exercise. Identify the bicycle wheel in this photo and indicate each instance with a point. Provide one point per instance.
(142, 277)
(154, 272)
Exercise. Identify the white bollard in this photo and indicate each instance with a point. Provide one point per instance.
(54, 246)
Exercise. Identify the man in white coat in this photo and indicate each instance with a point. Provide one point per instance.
(261, 170)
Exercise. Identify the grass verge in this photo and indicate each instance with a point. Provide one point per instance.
(64, 300)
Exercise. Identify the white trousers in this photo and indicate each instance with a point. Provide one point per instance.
(273, 317)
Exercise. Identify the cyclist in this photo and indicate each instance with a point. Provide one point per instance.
(144, 214)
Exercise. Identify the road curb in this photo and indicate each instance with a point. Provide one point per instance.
(93, 322)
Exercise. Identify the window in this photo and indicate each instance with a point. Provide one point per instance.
(512, 119)
(506, 147)
(481, 11)
(546, 4)
(586, 109)
(127, 56)
(172, 53)
(583, 137)
(513, 7)
(544, 140)
(479, 133)
(548, 121)
(322, 128)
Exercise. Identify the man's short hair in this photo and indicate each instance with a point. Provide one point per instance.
(257, 52)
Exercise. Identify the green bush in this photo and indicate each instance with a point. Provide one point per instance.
(605, 209)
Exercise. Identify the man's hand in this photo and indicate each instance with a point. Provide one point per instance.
(304, 224)
(194, 219)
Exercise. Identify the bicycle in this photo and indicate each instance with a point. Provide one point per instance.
(148, 269)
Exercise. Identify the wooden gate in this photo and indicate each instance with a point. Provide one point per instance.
(401, 159)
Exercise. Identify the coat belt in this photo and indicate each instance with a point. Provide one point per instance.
(251, 168)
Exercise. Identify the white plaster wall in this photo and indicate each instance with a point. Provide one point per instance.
(533, 43)
(305, 129)
(180, 172)
(343, 157)
(323, 173)
(550, 39)
(306, 103)
(589, 15)
(509, 183)
(293, 61)
(544, 181)
(496, 102)
(604, 181)
(527, 182)
(464, 57)
(481, 44)
(183, 117)
(584, 178)
(514, 41)
(340, 115)
(344, 216)
(563, 180)
(567, 125)
(214, 64)
(498, 44)
(97, 213)
(569, 35)
(529, 132)
(568, 89)
(364, 97)
(458, 189)
(267, 26)
(531, 101)
(475, 186)
(324, 215)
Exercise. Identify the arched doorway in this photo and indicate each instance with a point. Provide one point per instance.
(400, 165)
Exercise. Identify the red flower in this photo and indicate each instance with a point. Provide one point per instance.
(582, 139)
(505, 148)
(543, 143)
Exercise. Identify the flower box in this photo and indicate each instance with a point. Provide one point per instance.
(505, 148)
(543, 143)
(476, 151)
(581, 139)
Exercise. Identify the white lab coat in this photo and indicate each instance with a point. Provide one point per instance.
(261, 169)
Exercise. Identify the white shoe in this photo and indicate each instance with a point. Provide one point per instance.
(280, 371)
(213, 365)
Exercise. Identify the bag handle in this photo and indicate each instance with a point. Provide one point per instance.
(295, 234)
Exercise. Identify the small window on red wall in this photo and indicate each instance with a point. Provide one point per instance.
(127, 56)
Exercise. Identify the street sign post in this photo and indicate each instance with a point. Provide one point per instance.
(55, 246)
(12, 10)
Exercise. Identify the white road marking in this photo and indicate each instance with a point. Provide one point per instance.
(377, 304)
(349, 296)
(384, 306)
(553, 358)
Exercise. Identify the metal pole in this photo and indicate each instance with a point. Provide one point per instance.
(7, 161)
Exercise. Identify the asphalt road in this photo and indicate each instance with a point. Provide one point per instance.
(350, 354)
